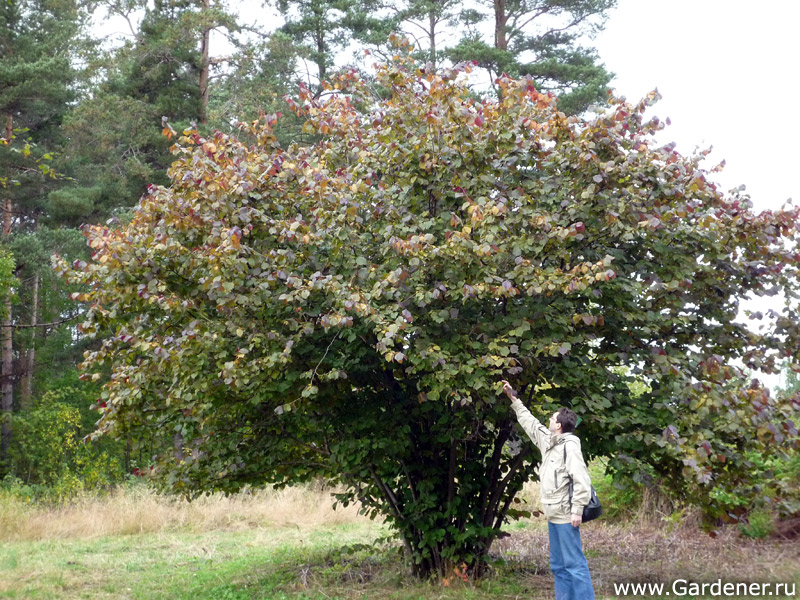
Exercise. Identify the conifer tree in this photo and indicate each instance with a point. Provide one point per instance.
(37, 56)
(541, 38)
(324, 28)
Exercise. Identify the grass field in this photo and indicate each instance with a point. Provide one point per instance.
(290, 545)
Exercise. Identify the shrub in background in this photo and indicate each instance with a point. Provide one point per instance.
(49, 457)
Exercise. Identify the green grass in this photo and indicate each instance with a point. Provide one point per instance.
(180, 566)
(253, 558)
(278, 564)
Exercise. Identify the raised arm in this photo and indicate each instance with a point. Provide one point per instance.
(539, 434)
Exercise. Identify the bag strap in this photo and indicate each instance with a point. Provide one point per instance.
(565, 455)
(568, 475)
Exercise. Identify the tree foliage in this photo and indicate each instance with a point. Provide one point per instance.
(91, 109)
(115, 147)
(35, 52)
(347, 309)
(428, 22)
(38, 43)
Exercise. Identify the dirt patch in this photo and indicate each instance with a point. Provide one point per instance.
(788, 530)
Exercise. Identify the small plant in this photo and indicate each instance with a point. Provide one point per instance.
(759, 525)
(48, 455)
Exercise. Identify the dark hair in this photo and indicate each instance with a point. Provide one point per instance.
(567, 418)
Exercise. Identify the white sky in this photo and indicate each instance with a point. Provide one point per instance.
(729, 74)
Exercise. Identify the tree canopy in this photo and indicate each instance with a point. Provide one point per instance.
(347, 308)
(82, 100)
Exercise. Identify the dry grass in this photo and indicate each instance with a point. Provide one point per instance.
(140, 510)
(646, 554)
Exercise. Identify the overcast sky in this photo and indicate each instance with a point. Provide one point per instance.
(729, 74)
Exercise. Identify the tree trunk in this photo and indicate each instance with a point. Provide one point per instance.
(7, 208)
(205, 67)
(320, 27)
(30, 355)
(6, 377)
(500, 20)
(321, 66)
(126, 460)
(432, 37)
(500, 36)
(467, 486)
(6, 338)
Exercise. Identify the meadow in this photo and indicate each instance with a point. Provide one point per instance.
(290, 545)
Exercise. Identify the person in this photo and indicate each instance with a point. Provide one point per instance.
(562, 459)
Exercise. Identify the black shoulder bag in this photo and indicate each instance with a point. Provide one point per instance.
(593, 509)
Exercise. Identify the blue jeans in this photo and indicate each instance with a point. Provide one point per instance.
(568, 563)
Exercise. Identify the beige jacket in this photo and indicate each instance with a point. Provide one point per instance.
(554, 472)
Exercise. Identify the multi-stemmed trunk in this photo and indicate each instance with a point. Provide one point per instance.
(446, 494)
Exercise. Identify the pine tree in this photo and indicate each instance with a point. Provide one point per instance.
(324, 28)
(427, 21)
(262, 72)
(37, 54)
(542, 39)
(116, 144)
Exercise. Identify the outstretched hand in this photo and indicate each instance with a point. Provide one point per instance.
(509, 390)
